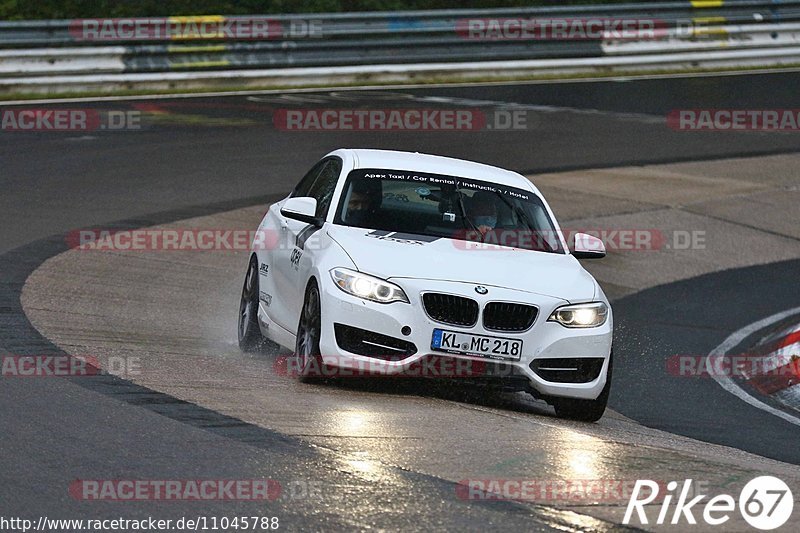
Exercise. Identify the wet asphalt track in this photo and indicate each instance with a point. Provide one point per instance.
(56, 182)
(691, 318)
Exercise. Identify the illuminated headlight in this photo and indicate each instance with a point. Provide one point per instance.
(581, 315)
(367, 287)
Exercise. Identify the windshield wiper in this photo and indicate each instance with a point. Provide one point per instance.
(464, 213)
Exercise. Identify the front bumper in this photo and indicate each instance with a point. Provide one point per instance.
(549, 344)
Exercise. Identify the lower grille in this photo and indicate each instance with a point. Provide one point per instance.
(568, 370)
(450, 309)
(487, 374)
(371, 344)
(503, 316)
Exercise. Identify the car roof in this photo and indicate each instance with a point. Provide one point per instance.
(435, 164)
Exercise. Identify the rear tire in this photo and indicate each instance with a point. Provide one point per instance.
(308, 360)
(585, 410)
(250, 337)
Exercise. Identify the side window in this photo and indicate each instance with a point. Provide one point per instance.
(305, 184)
(323, 187)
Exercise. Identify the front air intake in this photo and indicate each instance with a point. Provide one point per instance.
(568, 370)
(370, 344)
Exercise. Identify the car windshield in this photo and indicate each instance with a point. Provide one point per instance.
(419, 203)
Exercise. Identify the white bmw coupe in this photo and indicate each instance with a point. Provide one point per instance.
(385, 261)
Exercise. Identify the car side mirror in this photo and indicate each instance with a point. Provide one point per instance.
(588, 247)
(302, 208)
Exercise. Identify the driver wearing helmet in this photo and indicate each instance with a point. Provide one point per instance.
(482, 211)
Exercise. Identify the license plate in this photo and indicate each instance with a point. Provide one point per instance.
(476, 345)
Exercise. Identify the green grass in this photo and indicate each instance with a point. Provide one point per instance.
(412, 81)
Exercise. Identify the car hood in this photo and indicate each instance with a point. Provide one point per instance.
(394, 255)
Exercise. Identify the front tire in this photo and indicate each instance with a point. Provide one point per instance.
(585, 410)
(250, 337)
(308, 360)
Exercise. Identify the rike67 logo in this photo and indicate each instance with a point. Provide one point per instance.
(765, 503)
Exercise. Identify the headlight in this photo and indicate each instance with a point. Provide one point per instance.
(581, 315)
(367, 287)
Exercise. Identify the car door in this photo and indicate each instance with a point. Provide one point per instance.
(280, 256)
(299, 243)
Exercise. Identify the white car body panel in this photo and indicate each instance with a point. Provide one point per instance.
(449, 259)
(546, 280)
